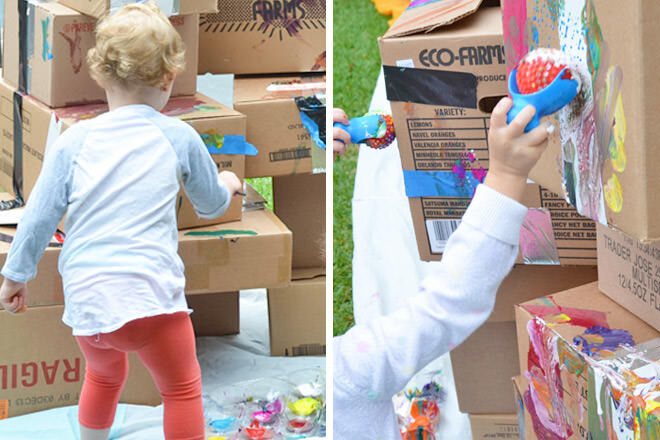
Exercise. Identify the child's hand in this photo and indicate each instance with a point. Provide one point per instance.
(232, 181)
(13, 296)
(512, 152)
(341, 138)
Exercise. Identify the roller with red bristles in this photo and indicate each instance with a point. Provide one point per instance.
(544, 79)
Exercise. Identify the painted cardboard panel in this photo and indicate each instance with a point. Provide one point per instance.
(263, 37)
(592, 356)
(599, 158)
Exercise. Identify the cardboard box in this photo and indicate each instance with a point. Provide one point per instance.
(255, 253)
(490, 426)
(442, 133)
(299, 201)
(264, 36)
(252, 253)
(296, 315)
(604, 164)
(208, 117)
(98, 8)
(215, 314)
(486, 388)
(594, 362)
(629, 273)
(42, 366)
(274, 124)
(57, 68)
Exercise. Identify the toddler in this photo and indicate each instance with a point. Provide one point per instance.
(117, 178)
(373, 362)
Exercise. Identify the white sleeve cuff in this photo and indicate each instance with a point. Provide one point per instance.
(495, 214)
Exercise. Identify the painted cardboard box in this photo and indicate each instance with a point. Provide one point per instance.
(274, 124)
(444, 72)
(41, 125)
(629, 273)
(602, 155)
(490, 426)
(248, 254)
(592, 367)
(56, 46)
(299, 201)
(485, 388)
(98, 8)
(42, 366)
(263, 37)
(296, 316)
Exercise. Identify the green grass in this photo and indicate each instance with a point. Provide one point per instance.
(264, 186)
(356, 28)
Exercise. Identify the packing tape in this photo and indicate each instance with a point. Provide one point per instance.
(431, 87)
(312, 116)
(228, 144)
(537, 238)
(438, 184)
(169, 7)
(17, 176)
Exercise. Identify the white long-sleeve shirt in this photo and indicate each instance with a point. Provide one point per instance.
(117, 177)
(373, 362)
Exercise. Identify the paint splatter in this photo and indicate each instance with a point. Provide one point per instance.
(598, 339)
(617, 148)
(614, 194)
(579, 317)
(47, 51)
(75, 51)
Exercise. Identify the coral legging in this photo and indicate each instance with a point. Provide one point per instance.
(166, 346)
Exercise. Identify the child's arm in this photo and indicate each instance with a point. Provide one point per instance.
(209, 192)
(44, 210)
(376, 360)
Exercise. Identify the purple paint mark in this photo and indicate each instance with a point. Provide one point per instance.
(417, 3)
(479, 174)
(459, 170)
(596, 339)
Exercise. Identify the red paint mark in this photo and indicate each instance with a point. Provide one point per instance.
(75, 51)
(319, 64)
(580, 317)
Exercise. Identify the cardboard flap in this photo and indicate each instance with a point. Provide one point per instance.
(427, 15)
(277, 87)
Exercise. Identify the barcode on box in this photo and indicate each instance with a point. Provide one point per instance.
(305, 350)
(298, 153)
(438, 232)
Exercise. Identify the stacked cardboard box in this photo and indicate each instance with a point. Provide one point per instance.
(280, 44)
(47, 88)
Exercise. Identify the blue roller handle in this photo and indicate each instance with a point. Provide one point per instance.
(361, 128)
(547, 101)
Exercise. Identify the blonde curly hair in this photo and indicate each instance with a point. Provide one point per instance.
(137, 45)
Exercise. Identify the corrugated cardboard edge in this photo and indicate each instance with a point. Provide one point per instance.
(407, 24)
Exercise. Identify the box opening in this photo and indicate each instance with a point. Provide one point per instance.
(488, 103)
